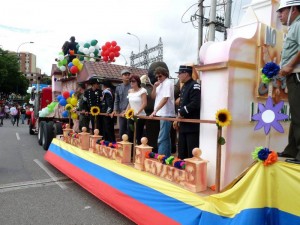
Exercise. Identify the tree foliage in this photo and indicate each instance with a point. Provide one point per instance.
(11, 79)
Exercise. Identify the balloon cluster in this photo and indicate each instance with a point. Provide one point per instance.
(31, 90)
(88, 51)
(75, 66)
(48, 109)
(110, 51)
(61, 61)
(69, 101)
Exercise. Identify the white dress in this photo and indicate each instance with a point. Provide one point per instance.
(135, 101)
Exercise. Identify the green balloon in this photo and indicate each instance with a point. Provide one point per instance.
(64, 61)
(94, 42)
(86, 45)
(96, 52)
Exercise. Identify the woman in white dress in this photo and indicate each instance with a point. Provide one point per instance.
(137, 97)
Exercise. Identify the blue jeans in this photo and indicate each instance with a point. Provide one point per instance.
(164, 138)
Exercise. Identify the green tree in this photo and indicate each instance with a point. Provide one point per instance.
(11, 80)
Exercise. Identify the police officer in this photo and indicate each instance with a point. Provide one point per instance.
(92, 97)
(107, 105)
(189, 108)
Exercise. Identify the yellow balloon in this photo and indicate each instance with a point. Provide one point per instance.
(76, 62)
(69, 100)
(73, 101)
(74, 116)
(80, 66)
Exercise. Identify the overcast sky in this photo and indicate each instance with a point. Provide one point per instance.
(50, 23)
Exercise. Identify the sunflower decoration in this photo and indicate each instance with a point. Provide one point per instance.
(129, 114)
(69, 107)
(223, 118)
(95, 110)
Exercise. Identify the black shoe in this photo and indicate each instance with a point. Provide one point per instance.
(285, 155)
(296, 161)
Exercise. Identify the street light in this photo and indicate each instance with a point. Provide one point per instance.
(27, 42)
(124, 59)
(136, 38)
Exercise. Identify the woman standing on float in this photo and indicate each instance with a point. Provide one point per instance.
(137, 97)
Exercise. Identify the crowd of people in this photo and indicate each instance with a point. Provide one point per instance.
(13, 112)
(134, 95)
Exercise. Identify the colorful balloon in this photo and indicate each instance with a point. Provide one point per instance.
(66, 94)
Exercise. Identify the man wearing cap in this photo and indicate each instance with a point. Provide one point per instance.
(92, 97)
(121, 102)
(189, 108)
(164, 106)
(289, 15)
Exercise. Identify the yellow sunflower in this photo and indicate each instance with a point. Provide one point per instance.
(223, 117)
(95, 110)
(68, 107)
(129, 114)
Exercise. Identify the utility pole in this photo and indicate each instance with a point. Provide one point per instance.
(227, 17)
(200, 29)
(212, 21)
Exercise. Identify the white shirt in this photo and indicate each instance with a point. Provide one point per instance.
(135, 100)
(165, 89)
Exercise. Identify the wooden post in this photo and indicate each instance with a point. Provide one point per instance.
(218, 160)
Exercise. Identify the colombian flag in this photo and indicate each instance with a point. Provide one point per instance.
(266, 195)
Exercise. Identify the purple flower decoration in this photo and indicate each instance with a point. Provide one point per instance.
(270, 69)
(269, 115)
(263, 154)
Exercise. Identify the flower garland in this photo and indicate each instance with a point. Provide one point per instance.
(223, 118)
(172, 161)
(95, 110)
(73, 134)
(269, 71)
(107, 143)
(264, 155)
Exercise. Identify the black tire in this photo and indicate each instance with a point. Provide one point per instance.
(47, 135)
(31, 132)
(57, 129)
(40, 132)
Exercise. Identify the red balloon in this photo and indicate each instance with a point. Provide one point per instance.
(106, 53)
(74, 69)
(117, 48)
(111, 55)
(107, 44)
(66, 94)
(111, 49)
(113, 43)
(105, 58)
(117, 54)
(104, 48)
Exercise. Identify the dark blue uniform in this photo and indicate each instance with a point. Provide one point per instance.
(189, 108)
(93, 98)
(107, 105)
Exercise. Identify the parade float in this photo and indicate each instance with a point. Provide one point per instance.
(235, 177)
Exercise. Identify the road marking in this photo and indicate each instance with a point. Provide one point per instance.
(53, 177)
(18, 136)
(30, 184)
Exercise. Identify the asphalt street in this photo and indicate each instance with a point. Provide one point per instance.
(33, 192)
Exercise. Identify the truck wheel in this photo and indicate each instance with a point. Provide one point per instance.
(47, 135)
(57, 127)
(31, 128)
(40, 133)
